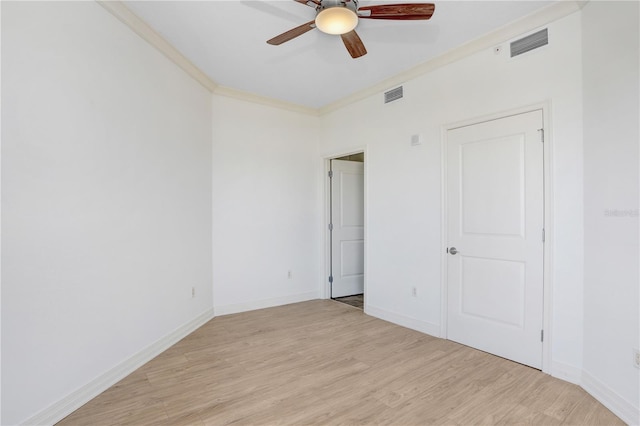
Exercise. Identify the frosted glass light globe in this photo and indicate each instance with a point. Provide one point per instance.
(336, 20)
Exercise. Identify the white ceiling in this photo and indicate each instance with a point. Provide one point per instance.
(227, 41)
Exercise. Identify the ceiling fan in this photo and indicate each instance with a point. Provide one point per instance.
(340, 17)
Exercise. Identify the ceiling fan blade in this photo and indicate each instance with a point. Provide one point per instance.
(293, 33)
(353, 44)
(312, 3)
(402, 12)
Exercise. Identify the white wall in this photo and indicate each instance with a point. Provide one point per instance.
(106, 199)
(267, 213)
(611, 133)
(404, 186)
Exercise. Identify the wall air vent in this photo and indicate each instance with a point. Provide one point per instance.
(530, 42)
(393, 95)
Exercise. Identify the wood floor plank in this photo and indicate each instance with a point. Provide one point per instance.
(327, 363)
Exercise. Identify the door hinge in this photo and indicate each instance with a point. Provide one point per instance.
(331, 279)
(543, 235)
(541, 135)
(331, 227)
(542, 335)
(330, 174)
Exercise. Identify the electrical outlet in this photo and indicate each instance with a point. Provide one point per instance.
(414, 292)
(636, 358)
(193, 292)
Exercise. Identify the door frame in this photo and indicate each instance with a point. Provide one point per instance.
(326, 287)
(547, 284)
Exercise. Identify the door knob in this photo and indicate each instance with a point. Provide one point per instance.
(453, 250)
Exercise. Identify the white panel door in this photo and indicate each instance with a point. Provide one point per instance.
(495, 214)
(347, 236)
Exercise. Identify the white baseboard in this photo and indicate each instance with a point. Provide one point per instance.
(412, 323)
(265, 303)
(566, 372)
(629, 413)
(75, 400)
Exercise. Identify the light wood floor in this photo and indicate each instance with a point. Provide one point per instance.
(323, 362)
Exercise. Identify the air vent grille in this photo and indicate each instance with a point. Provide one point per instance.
(393, 95)
(530, 42)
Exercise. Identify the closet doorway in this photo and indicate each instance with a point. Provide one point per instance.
(346, 229)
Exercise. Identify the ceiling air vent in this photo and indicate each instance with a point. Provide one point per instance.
(530, 42)
(393, 95)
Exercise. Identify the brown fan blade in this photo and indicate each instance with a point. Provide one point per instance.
(402, 12)
(293, 33)
(353, 44)
(312, 3)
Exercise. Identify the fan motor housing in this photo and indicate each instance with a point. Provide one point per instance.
(349, 4)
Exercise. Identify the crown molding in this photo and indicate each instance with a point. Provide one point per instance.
(125, 15)
(262, 100)
(140, 27)
(582, 3)
(528, 23)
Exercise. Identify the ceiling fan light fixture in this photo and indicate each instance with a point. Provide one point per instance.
(336, 20)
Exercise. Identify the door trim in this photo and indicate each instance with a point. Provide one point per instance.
(547, 284)
(326, 287)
